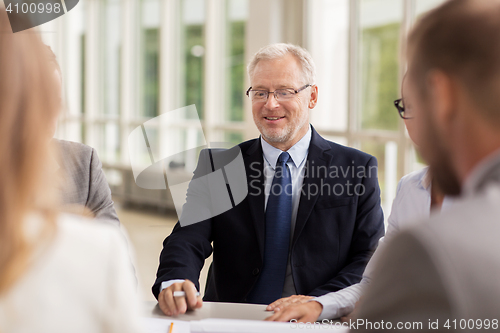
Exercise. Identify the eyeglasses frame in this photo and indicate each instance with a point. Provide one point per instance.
(401, 109)
(295, 91)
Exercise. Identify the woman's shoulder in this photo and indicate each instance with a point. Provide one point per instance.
(413, 179)
(82, 232)
(73, 223)
(76, 234)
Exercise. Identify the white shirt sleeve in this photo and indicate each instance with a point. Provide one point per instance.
(166, 284)
(342, 302)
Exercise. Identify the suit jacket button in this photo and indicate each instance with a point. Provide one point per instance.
(256, 271)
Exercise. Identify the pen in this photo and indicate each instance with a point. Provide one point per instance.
(171, 327)
(182, 293)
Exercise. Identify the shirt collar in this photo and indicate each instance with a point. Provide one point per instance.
(481, 174)
(425, 180)
(298, 151)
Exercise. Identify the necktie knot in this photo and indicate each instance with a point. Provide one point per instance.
(283, 158)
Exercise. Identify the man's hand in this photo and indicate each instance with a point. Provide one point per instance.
(306, 312)
(173, 306)
(286, 301)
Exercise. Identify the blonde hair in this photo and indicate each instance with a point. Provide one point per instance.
(29, 101)
(280, 50)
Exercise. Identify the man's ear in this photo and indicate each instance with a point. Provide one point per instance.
(443, 97)
(314, 97)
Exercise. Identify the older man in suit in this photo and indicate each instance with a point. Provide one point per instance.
(444, 274)
(312, 216)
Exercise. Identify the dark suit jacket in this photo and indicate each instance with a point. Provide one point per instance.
(335, 233)
(84, 182)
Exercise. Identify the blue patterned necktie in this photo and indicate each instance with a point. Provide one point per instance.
(278, 216)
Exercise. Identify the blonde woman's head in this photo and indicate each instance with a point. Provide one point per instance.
(29, 101)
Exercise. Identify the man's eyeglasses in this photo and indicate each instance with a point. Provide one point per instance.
(279, 94)
(403, 113)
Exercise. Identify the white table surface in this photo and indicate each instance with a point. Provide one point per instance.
(214, 310)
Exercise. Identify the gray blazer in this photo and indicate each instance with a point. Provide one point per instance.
(447, 268)
(84, 181)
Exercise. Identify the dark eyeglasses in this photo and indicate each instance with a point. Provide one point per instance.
(401, 109)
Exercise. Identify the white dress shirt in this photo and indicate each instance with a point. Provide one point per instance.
(411, 205)
(298, 154)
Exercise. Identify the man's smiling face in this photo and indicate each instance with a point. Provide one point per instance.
(282, 123)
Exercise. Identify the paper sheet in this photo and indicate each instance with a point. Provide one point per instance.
(213, 325)
(254, 326)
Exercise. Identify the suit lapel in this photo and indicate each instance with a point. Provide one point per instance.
(254, 164)
(318, 158)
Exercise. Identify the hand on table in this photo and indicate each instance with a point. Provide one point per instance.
(282, 303)
(305, 312)
(173, 306)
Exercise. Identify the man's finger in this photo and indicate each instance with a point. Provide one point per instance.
(180, 301)
(169, 301)
(163, 304)
(292, 301)
(282, 306)
(273, 317)
(274, 304)
(285, 315)
(307, 312)
(190, 291)
(199, 302)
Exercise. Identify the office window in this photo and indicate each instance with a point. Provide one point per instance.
(71, 58)
(386, 153)
(149, 58)
(107, 139)
(421, 6)
(193, 52)
(236, 16)
(111, 61)
(101, 119)
(327, 41)
(233, 137)
(113, 71)
(380, 23)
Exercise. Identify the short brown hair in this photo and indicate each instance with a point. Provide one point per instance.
(462, 39)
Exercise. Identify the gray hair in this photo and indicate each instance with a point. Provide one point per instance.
(280, 50)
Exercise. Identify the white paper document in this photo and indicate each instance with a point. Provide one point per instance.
(213, 325)
(254, 326)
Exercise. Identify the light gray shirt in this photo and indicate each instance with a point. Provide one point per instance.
(454, 268)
